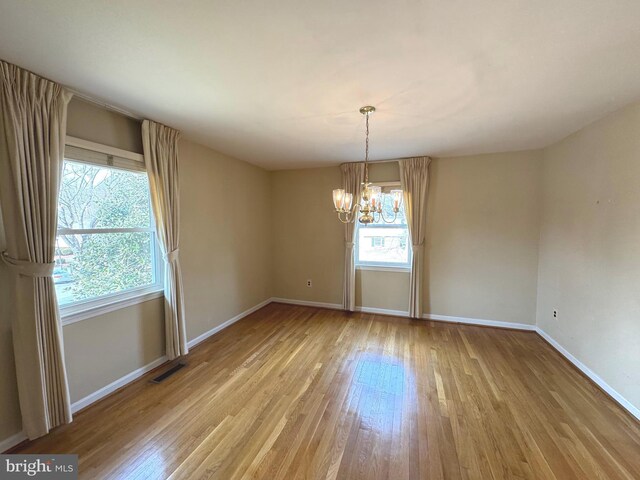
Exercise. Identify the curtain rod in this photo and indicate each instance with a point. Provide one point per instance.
(84, 96)
(113, 108)
(372, 161)
(100, 103)
(387, 160)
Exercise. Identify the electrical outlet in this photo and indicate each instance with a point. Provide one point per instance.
(309, 284)
(555, 313)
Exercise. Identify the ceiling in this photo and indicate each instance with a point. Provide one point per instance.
(279, 83)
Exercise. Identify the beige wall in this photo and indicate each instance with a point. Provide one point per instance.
(309, 244)
(225, 206)
(105, 348)
(224, 271)
(482, 239)
(308, 239)
(384, 290)
(225, 236)
(248, 235)
(590, 248)
(90, 122)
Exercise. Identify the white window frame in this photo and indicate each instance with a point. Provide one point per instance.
(375, 266)
(103, 155)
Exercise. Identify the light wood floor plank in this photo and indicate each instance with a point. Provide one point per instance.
(299, 392)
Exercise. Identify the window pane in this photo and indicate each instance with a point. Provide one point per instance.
(387, 209)
(383, 245)
(94, 196)
(92, 265)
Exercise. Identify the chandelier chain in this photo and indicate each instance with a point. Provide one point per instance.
(366, 151)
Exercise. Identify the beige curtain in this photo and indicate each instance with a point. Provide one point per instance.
(414, 177)
(352, 178)
(160, 145)
(33, 120)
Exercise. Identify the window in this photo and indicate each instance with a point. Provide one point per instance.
(384, 244)
(106, 248)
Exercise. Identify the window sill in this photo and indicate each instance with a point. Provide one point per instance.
(380, 268)
(76, 313)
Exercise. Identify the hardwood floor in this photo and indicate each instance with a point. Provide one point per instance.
(298, 392)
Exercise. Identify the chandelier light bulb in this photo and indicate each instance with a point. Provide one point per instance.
(338, 199)
(397, 199)
(348, 201)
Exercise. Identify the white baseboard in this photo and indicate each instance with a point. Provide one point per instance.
(12, 441)
(403, 313)
(306, 303)
(479, 321)
(130, 377)
(623, 402)
(383, 311)
(92, 398)
(222, 326)
(338, 306)
(113, 386)
(19, 437)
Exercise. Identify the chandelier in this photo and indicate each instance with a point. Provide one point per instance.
(372, 200)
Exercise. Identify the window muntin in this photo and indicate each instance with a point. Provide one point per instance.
(384, 244)
(106, 243)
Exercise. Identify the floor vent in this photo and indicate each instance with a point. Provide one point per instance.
(168, 373)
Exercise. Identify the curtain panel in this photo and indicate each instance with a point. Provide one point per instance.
(160, 145)
(352, 178)
(414, 177)
(33, 117)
